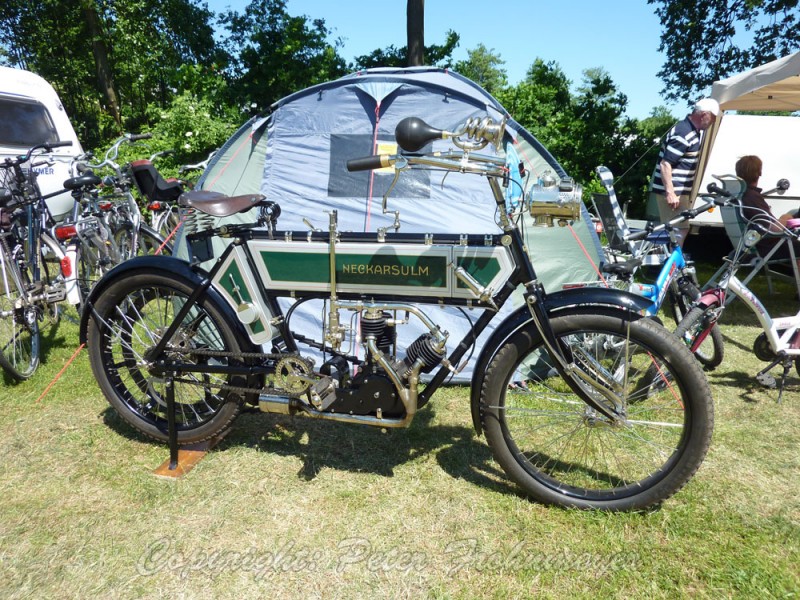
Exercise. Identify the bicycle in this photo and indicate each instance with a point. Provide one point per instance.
(779, 342)
(177, 350)
(35, 271)
(107, 229)
(162, 194)
(676, 282)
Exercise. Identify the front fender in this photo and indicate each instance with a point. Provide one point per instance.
(554, 304)
(178, 269)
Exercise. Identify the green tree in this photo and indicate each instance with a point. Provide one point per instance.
(108, 60)
(440, 55)
(484, 67)
(587, 127)
(706, 40)
(275, 54)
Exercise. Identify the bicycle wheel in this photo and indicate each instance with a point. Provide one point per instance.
(167, 221)
(129, 318)
(148, 242)
(560, 451)
(152, 242)
(19, 321)
(702, 335)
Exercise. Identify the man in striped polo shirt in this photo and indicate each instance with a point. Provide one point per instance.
(676, 168)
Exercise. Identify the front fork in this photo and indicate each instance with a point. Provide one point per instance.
(589, 373)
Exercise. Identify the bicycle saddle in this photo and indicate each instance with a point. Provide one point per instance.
(622, 269)
(76, 183)
(219, 205)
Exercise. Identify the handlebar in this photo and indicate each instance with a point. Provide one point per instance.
(23, 158)
(112, 153)
(412, 134)
(368, 163)
(686, 214)
(201, 165)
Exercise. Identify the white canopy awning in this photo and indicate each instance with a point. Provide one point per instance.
(774, 86)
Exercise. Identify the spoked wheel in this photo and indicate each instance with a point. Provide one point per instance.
(702, 338)
(168, 221)
(152, 242)
(129, 318)
(19, 321)
(561, 451)
(148, 242)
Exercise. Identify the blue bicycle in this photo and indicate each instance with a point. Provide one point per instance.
(676, 283)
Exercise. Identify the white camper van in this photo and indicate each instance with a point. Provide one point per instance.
(31, 113)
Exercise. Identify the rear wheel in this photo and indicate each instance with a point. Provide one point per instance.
(701, 334)
(19, 320)
(128, 319)
(148, 242)
(561, 451)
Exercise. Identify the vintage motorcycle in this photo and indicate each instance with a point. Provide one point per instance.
(584, 402)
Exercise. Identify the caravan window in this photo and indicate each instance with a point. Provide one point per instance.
(25, 123)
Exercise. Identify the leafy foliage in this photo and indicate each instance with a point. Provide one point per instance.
(145, 43)
(438, 55)
(485, 68)
(274, 54)
(706, 40)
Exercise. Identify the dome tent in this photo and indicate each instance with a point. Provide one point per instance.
(296, 155)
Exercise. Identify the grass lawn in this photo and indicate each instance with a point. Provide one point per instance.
(296, 508)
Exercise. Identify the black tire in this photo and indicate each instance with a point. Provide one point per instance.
(152, 242)
(19, 321)
(128, 318)
(148, 242)
(711, 349)
(168, 221)
(560, 451)
(681, 303)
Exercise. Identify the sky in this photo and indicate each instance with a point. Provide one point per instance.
(621, 36)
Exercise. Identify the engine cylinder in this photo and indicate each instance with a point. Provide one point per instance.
(424, 348)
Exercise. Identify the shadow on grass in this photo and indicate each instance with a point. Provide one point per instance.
(50, 339)
(354, 448)
(748, 386)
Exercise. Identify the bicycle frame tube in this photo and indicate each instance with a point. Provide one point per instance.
(779, 331)
(675, 262)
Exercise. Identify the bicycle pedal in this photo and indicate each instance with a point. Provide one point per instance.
(767, 380)
(55, 295)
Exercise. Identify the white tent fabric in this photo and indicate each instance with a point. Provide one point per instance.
(774, 86)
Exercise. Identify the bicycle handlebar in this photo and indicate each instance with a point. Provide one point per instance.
(412, 134)
(368, 163)
(23, 158)
(112, 153)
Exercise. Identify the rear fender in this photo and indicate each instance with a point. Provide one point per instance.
(709, 298)
(177, 268)
(555, 304)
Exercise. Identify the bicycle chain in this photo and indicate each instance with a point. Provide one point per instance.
(239, 389)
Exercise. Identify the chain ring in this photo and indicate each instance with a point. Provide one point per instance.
(291, 374)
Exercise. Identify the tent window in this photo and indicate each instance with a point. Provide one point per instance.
(25, 123)
(343, 184)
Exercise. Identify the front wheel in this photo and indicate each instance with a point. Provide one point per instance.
(129, 318)
(19, 319)
(561, 451)
(701, 334)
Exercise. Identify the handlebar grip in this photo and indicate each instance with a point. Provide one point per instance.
(713, 188)
(638, 235)
(139, 136)
(367, 163)
(61, 144)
